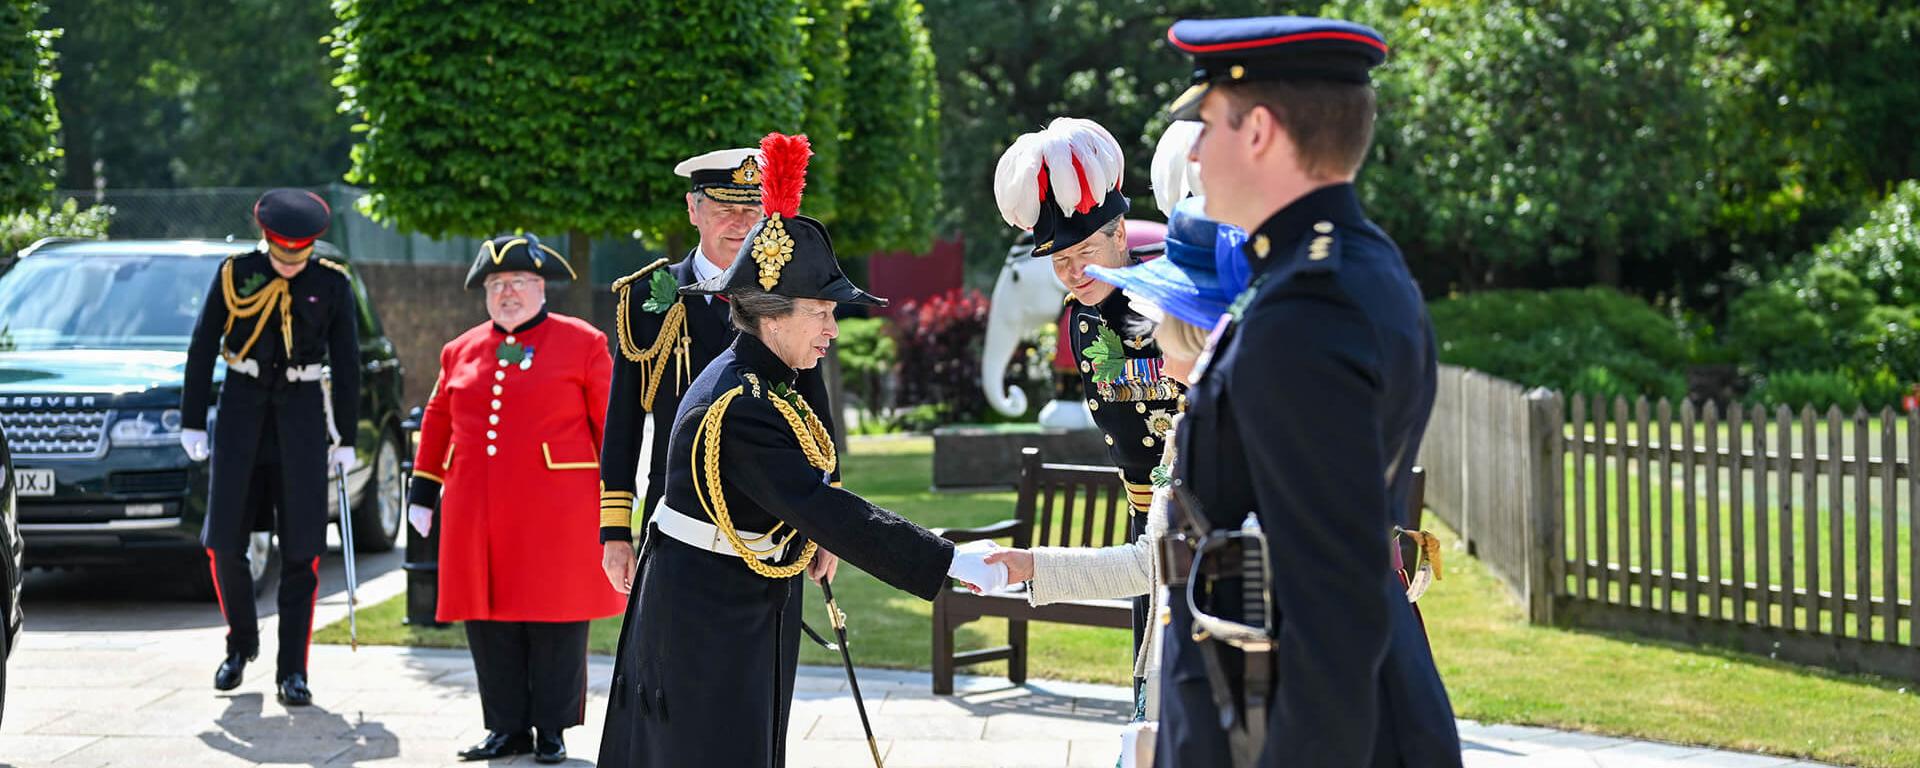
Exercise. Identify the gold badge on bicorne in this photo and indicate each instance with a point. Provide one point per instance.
(772, 249)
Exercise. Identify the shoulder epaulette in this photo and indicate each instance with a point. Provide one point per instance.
(334, 265)
(620, 285)
(1321, 251)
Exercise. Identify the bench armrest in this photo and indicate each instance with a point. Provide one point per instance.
(1002, 529)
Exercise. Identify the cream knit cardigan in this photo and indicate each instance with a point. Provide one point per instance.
(1127, 570)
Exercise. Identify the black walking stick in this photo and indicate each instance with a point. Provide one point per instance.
(839, 622)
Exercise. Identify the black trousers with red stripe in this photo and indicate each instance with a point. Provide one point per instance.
(532, 674)
(299, 582)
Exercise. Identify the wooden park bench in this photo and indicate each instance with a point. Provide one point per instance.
(1058, 506)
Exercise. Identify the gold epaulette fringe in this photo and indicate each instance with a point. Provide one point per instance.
(333, 265)
(814, 442)
(622, 283)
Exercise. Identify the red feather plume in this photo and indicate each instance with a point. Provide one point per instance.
(785, 173)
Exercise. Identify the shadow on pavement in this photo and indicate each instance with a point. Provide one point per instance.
(301, 736)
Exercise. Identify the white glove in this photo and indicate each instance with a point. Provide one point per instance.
(343, 458)
(421, 518)
(194, 442)
(970, 565)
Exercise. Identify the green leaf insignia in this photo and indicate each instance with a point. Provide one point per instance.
(662, 292)
(1108, 356)
(252, 284)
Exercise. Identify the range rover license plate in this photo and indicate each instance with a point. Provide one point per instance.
(34, 482)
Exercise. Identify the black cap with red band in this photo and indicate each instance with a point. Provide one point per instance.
(291, 218)
(1272, 48)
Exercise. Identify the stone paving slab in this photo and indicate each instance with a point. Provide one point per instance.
(86, 694)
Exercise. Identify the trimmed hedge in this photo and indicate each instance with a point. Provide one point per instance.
(1595, 341)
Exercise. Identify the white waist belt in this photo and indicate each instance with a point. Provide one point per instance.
(701, 534)
(251, 367)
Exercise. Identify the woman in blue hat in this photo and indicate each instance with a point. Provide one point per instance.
(1184, 294)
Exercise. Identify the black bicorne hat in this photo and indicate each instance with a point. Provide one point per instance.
(518, 253)
(786, 254)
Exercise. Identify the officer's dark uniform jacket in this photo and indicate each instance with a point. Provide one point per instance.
(244, 303)
(1134, 410)
(660, 352)
(1310, 414)
(716, 642)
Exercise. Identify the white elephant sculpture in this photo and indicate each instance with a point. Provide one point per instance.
(1025, 295)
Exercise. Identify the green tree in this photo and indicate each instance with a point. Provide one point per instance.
(1006, 67)
(1517, 134)
(824, 24)
(892, 128)
(29, 125)
(496, 115)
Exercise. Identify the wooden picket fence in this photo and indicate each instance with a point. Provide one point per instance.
(1789, 533)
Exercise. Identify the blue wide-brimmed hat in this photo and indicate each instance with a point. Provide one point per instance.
(1200, 275)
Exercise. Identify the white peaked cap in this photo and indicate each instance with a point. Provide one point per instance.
(717, 160)
(1016, 181)
(1174, 177)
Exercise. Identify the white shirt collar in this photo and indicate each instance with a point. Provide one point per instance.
(704, 268)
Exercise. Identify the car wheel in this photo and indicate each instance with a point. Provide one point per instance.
(377, 518)
(263, 561)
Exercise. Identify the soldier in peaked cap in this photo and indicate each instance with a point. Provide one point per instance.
(1063, 183)
(1295, 456)
(705, 677)
(278, 320)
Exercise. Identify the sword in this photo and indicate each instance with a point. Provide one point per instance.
(839, 621)
(346, 556)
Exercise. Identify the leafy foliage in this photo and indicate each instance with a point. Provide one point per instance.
(19, 230)
(939, 350)
(159, 97)
(868, 357)
(1595, 341)
(28, 121)
(891, 123)
(824, 25)
(1519, 134)
(495, 114)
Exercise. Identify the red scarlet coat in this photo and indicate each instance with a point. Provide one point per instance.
(515, 449)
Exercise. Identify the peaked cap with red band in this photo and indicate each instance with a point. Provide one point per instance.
(1062, 182)
(1272, 48)
(291, 218)
(786, 254)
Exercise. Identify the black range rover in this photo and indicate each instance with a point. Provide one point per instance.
(93, 349)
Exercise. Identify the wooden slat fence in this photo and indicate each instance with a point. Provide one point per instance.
(1779, 531)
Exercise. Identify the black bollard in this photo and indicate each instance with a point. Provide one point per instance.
(423, 552)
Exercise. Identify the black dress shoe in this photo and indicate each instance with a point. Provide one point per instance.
(228, 676)
(549, 748)
(499, 744)
(293, 691)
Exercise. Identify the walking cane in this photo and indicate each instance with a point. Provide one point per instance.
(839, 622)
(346, 514)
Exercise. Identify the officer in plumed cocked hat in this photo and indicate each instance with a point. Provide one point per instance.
(278, 317)
(1305, 420)
(705, 675)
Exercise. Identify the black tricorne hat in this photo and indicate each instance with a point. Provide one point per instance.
(786, 254)
(518, 253)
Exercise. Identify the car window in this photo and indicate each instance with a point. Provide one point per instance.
(103, 301)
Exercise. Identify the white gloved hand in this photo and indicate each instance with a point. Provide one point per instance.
(194, 442)
(969, 565)
(421, 518)
(343, 458)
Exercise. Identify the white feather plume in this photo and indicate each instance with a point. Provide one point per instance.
(1016, 182)
(1174, 177)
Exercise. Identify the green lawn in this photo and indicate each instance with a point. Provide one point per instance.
(1497, 667)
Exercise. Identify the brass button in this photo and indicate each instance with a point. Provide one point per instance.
(1085, 368)
(491, 450)
(1140, 407)
(1237, 72)
(503, 363)
(1261, 246)
(497, 390)
(493, 418)
(1147, 441)
(1083, 326)
(1109, 439)
(492, 435)
(1323, 227)
(496, 405)
(509, 338)
(1093, 405)
(499, 375)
